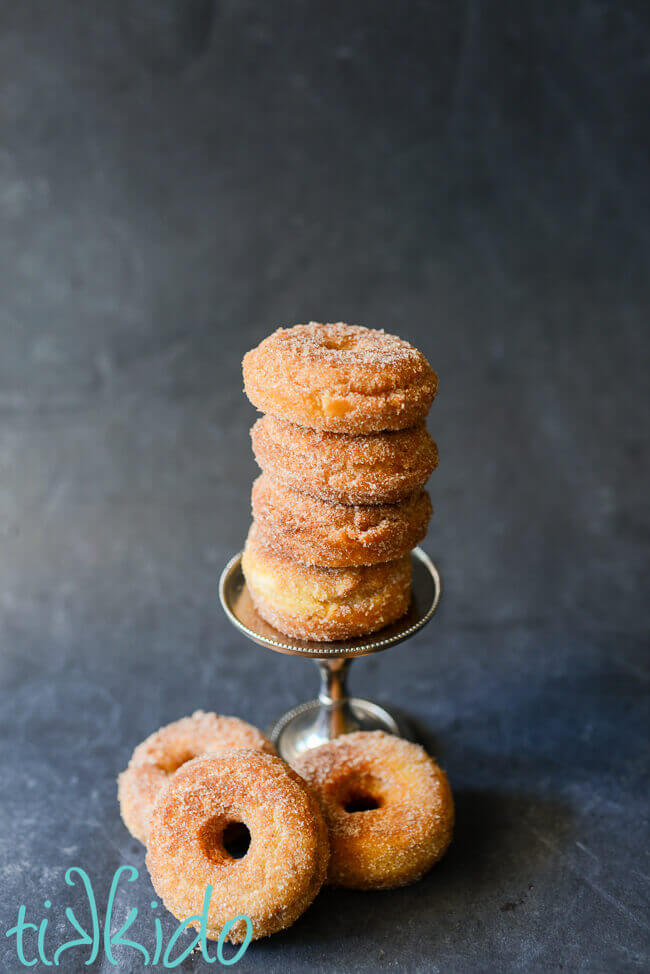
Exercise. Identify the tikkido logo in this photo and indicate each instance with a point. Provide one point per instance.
(99, 932)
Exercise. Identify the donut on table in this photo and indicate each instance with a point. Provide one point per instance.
(387, 804)
(280, 872)
(316, 532)
(343, 378)
(164, 751)
(377, 468)
(323, 603)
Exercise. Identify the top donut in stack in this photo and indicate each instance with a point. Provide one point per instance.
(344, 454)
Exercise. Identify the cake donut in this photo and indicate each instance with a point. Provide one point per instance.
(323, 603)
(342, 378)
(280, 871)
(164, 751)
(316, 532)
(377, 468)
(387, 804)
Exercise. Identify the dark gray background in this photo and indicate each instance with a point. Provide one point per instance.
(176, 180)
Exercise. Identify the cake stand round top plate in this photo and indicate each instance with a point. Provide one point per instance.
(239, 608)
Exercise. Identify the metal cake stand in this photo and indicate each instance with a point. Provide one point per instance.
(333, 713)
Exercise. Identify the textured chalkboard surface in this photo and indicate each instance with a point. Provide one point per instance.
(177, 179)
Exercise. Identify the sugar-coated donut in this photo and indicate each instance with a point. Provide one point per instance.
(324, 603)
(316, 532)
(164, 751)
(376, 468)
(387, 804)
(284, 866)
(343, 378)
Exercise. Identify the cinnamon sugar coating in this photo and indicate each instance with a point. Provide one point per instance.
(338, 377)
(286, 861)
(409, 829)
(374, 468)
(316, 532)
(323, 603)
(164, 751)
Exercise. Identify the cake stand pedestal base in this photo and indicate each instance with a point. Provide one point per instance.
(333, 713)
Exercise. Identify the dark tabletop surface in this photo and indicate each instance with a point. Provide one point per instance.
(176, 180)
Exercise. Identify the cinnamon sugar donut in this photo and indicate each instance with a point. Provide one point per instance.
(281, 870)
(324, 603)
(315, 532)
(343, 378)
(387, 804)
(377, 468)
(164, 751)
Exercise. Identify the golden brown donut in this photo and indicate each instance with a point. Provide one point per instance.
(387, 804)
(164, 751)
(343, 378)
(204, 803)
(377, 468)
(316, 532)
(324, 603)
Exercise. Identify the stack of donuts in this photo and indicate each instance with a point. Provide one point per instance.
(344, 454)
(340, 503)
(221, 813)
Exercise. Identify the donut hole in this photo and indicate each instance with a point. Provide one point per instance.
(338, 343)
(219, 839)
(236, 839)
(364, 793)
(361, 802)
(172, 762)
